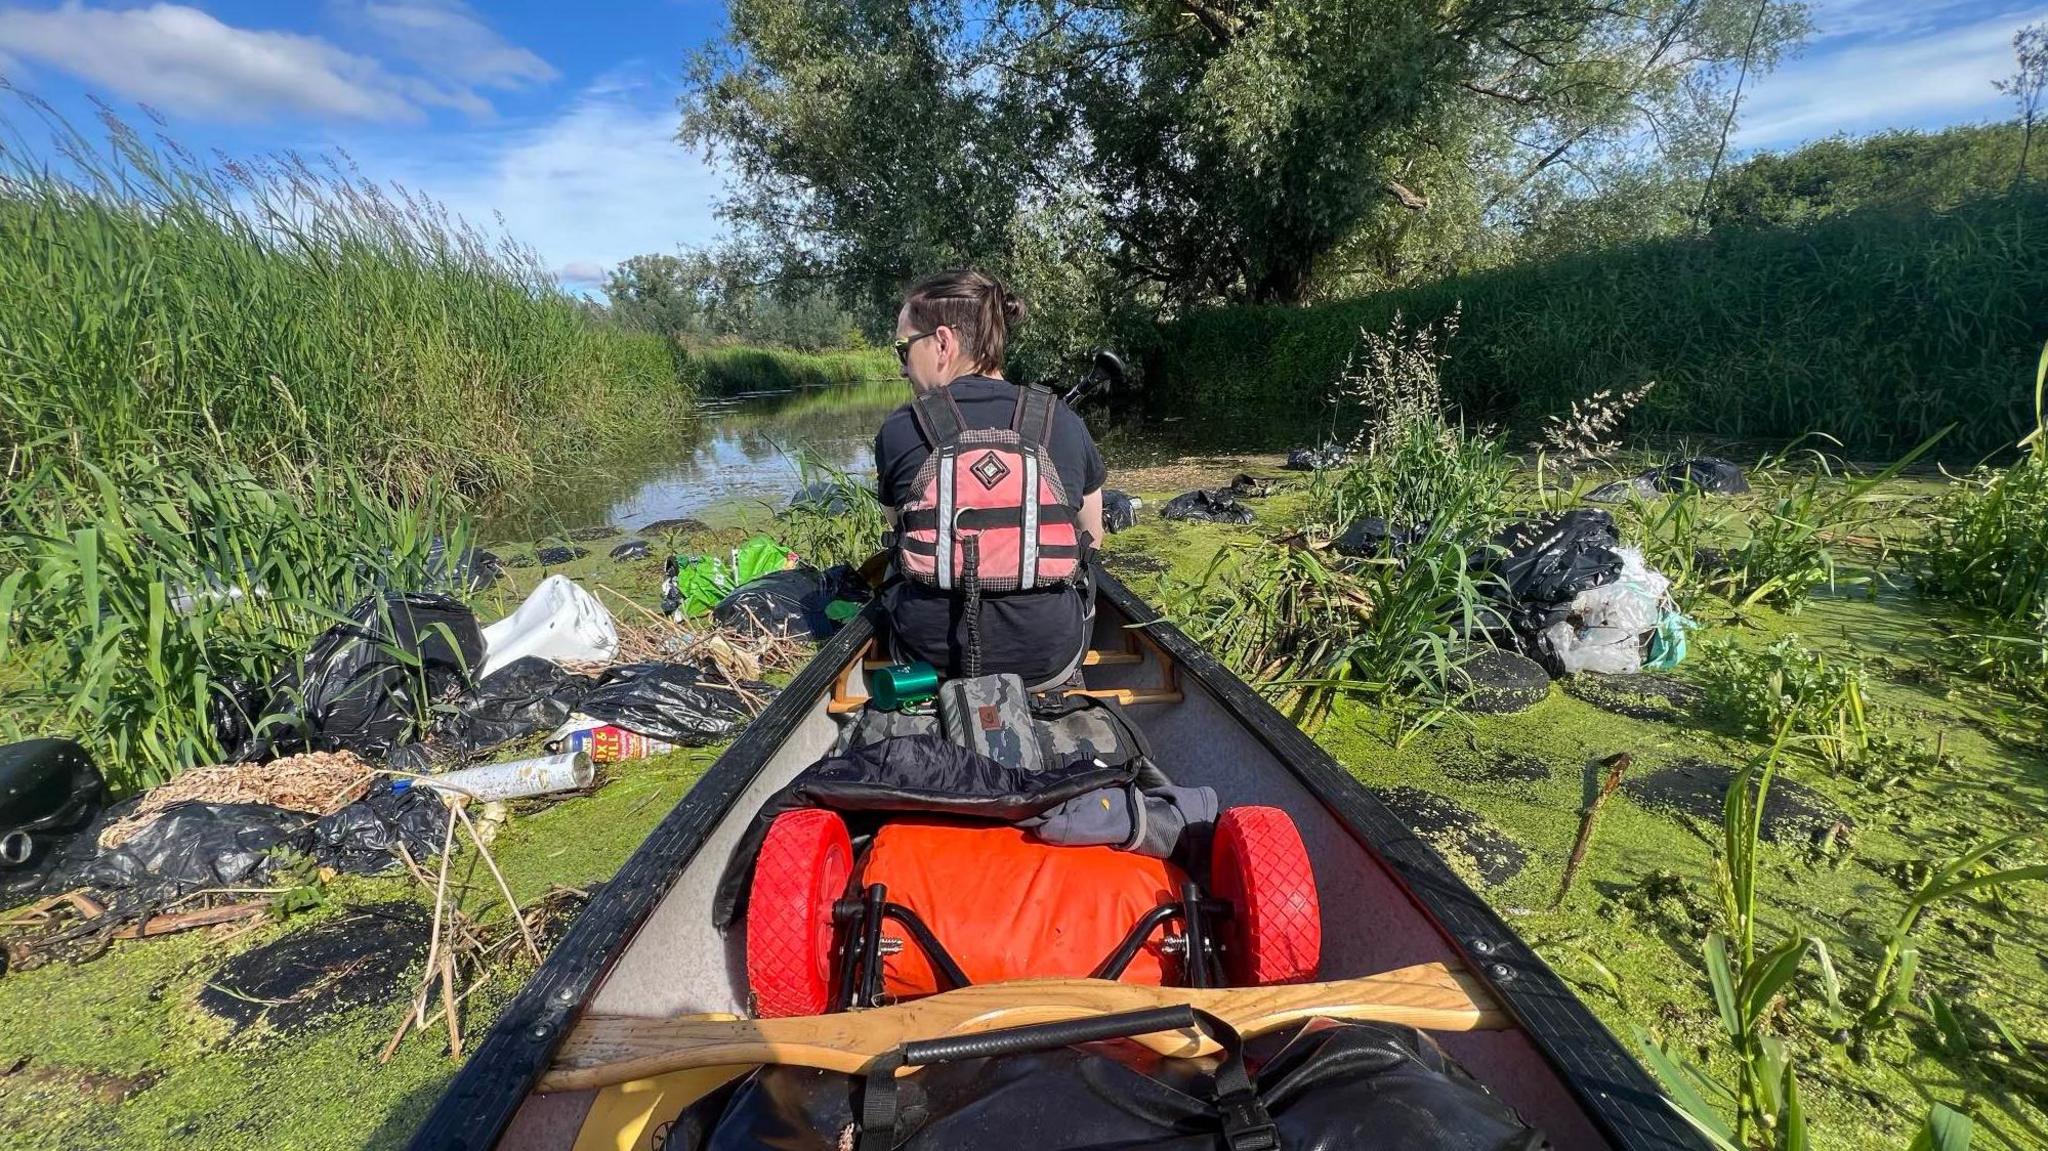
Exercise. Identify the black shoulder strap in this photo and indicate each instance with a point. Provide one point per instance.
(938, 418)
(1033, 417)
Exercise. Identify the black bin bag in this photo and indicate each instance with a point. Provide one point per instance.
(1321, 1086)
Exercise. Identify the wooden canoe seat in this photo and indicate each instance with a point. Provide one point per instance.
(607, 1049)
(850, 693)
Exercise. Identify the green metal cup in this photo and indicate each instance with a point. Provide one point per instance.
(899, 685)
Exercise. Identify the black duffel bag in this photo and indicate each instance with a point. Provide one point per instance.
(1326, 1085)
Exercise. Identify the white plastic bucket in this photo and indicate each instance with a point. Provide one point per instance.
(559, 621)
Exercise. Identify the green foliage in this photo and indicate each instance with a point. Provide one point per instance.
(1900, 170)
(1308, 629)
(1187, 154)
(1891, 987)
(1409, 463)
(1878, 329)
(705, 296)
(1747, 984)
(134, 593)
(290, 315)
(839, 520)
(1988, 548)
(1786, 686)
(734, 369)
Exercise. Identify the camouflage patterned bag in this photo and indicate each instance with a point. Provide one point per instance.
(991, 714)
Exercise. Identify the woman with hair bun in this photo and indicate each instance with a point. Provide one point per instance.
(993, 491)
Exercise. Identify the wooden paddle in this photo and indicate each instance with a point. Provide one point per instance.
(608, 1049)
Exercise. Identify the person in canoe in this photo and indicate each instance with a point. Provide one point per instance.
(993, 493)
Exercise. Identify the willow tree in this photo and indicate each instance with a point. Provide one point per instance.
(1219, 149)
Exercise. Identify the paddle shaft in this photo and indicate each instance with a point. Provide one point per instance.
(605, 1050)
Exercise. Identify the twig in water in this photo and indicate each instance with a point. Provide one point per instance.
(512, 904)
(1616, 766)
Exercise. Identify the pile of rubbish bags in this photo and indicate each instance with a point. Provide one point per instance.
(1710, 475)
(1562, 590)
(759, 588)
(1217, 506)
(408, 682)
(1574, 599)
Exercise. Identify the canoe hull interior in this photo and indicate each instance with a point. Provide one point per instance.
(1387, 902)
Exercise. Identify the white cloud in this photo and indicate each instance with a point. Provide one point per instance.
(449, 37)
(1893, 72)
(184, 60)
(600, 181)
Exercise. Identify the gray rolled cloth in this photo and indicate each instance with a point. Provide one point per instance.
(1151, 826)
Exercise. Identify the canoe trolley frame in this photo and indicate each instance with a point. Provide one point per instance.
(860, 918)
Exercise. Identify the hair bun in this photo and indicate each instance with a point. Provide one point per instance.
(1014, 310)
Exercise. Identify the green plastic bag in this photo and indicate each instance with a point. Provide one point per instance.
(701, 581)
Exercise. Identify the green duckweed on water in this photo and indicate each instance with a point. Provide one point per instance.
(117, 1053)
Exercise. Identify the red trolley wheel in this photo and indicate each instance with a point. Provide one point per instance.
(802, 869)
(1275, 931)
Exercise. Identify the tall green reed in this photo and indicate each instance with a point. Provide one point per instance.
(288, 313)
(139, 595)
(1749, 978)
(1988, 548)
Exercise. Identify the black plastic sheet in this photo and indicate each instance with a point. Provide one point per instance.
(1203, 506)
(1537, 567)
(363, 837)
(353, 692)
(633, 550)
(1710, 474)
(672, 702)
(525, 697)
(192, 846)
(49, 791)
(1370, 537)
(561, 554)
(1325, 1085)
(1118, 512)
(787, 603)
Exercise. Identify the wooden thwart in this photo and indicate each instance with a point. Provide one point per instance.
(609, 1049)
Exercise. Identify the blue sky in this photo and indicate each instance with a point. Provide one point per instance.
(560, 117)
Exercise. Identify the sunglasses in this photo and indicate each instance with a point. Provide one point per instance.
(903, 343)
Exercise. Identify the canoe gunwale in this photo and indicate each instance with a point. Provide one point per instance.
(1612, 1088)
(480, 1101)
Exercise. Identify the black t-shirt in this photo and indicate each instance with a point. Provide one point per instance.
(1033, 633)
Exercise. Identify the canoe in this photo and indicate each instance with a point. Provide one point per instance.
(643, 972)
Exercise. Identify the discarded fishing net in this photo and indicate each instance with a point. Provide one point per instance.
(355, 960)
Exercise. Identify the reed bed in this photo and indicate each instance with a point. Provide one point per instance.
(1878, 328)
(287, 313)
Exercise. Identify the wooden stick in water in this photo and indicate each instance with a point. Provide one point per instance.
(1616, 766)
(603, 1050)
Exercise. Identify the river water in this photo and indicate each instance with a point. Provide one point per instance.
(737, 450)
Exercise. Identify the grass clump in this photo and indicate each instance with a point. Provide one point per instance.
(834, 519)
(289, 314)
(1787, 686)
(1988, 548)
(138, 596)
(1312, 625)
